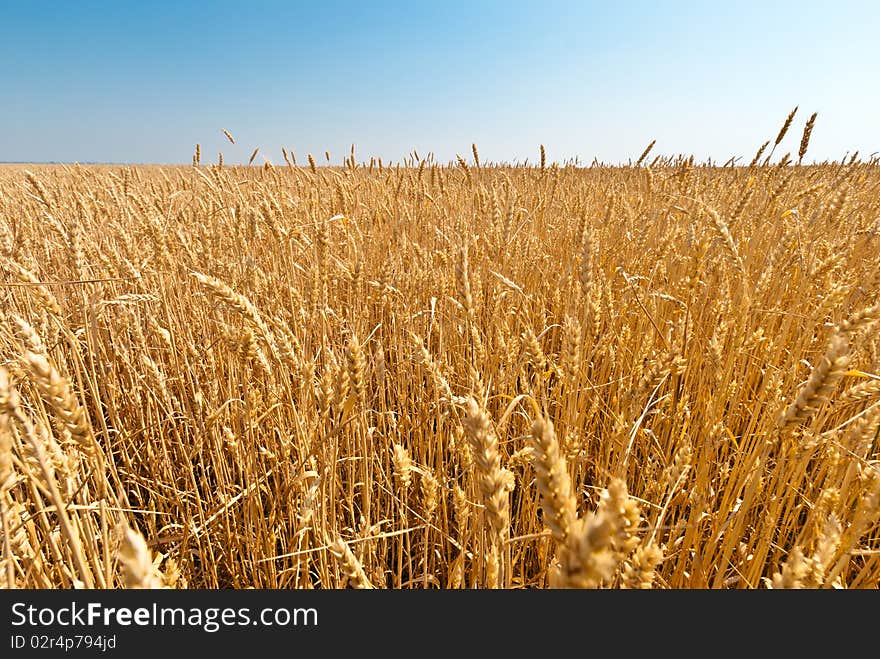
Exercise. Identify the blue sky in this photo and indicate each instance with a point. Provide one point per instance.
(144, 82)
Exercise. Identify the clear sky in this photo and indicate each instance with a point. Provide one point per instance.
(142, 82)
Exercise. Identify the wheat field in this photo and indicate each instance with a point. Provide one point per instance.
(467, 375)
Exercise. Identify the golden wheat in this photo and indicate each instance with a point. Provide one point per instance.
(422, 375)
